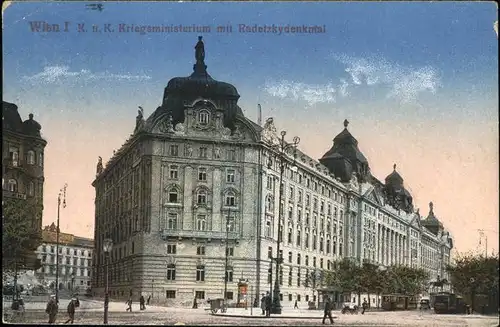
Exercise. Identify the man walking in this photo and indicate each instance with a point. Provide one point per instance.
(328, 311)
(52, 309)
(296, 305)
(364, 306)
(141, 302)
(129, 303)
(268, 305)
(71, 310)
(263, 304)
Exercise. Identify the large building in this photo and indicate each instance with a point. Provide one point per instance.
(197, 173)
(75, 260)
(22, 168)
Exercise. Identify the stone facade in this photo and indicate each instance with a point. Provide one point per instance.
(23, 165)
(197, 174)
(75, 260)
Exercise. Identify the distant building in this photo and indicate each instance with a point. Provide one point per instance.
(22, 166)
(197, 172)
(75, 260)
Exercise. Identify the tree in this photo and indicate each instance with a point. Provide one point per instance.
(20, 236)
(472, 275)
(315, 279)
(408, 280)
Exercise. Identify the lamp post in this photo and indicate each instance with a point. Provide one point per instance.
(62, 194)
(281, 150)
(226, 275)
(107, 247)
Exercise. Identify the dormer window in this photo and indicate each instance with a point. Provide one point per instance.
(204, 117)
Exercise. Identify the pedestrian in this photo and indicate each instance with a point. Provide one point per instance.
(268, 304)
(52, 309)
(129, 303)
(296, 305)
(263, 304)
(364, 306)
(195, 304)
(141, 303)
(327, 311)
(149, 299)
(71, 310)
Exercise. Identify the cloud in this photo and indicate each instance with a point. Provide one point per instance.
(310, 93)
(404, 83)
(56, 74)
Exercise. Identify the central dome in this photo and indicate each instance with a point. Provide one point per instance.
(184, 90)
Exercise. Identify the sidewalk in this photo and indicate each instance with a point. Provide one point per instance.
(286, 313)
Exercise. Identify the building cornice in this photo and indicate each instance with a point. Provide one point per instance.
(6, 133)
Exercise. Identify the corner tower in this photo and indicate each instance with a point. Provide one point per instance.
(345, 158)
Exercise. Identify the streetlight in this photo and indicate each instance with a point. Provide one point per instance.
(281, 153)
(226, 274)
(62, 193)
(107, 247)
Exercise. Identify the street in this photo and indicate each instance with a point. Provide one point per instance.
(91, 312)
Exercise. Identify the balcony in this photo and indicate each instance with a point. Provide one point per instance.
(218, 235)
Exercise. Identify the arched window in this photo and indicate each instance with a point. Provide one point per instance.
(201, 222)
(30, 157)
(202, 197)
(298, 238)
(204, 117)
(12, 185)
(31, 189)
(230, 199)
(269, 203)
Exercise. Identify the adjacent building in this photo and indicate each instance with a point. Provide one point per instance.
(75, 260)
(22, 168)
(197, 174)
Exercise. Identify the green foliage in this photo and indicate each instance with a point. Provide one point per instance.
(474, 274)
(350, 276)
(20, 235)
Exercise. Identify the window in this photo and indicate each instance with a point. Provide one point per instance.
(12, 185)
(200, 295)
(298, 238)
(172, 220)
(203, 152)
(171, 273)
(290, 240)
(229, 274)
(174, 150)
(31, 189)
(203, 117)
(269, 275)
(328, 248)
(200, 275)
(200, 250)
(291, 194)
(269, 252)
(298, 258)
(202, 197)
(202, 174)
(298, 279)
(229, 295)
(269, 203)
(171, 248)
(321, 263)
(174, 172)
(14, 156)
(306, 241)
(170, 294)
(270, 181)
(30, 157)
(231, 155)
(230, 176)
(290, 296)
(173, 196)
(268, 229)
(230, 252)
(230, 200)
(290, 257)
(40, 159)
(201, 222)
(307, 260)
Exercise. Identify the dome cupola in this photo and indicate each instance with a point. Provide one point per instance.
(397, 195)
(345, 158)
(431, 222)
(182, 90)
(32, 127)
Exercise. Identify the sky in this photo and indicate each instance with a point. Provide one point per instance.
(417, 81)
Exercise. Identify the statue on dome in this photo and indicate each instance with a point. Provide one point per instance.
(139, 120)
(200, 50)
(269, 131)
(99, 166)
